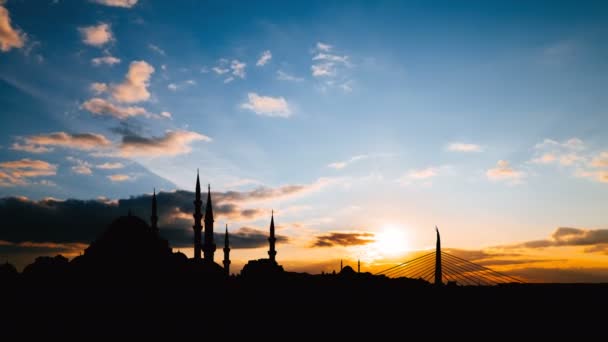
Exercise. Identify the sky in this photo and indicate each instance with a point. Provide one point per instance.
(363, 125)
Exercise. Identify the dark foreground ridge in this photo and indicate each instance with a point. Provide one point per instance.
(129, 282)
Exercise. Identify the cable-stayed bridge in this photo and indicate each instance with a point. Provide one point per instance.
(442, 268)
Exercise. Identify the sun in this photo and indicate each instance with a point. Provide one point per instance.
(391, 240)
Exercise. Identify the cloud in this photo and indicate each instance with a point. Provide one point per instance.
(100, 106)
(172, 86)
(264, 58)
(45, 142)
(171, 144)
(267, 105)
(182, 85)
(419, 175)
(567, 236)
(342, 164)
(119, 177)
(166, 114)
(10, 37)
(96, 35)
(598, 176)
(504, 172)
(323, 47)
(325, 63)
(343, 239)
(283, 76)
(117, 3)
(134, 88)
(99, 88)
(108, 60)
(16, 172)
(601, 160)
(247, 237)
(566, 153)
(157, 49)
(82, 167)
(110, 166)
(463, 147)
(238, 68)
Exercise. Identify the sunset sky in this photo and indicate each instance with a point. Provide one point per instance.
(363, 125)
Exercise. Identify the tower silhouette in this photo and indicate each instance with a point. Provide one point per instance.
(341, 267)
(438, 274)
(154, 216)
(271, 240)
(209, 244)
(358, 265)
(198, 215)
(226, 253)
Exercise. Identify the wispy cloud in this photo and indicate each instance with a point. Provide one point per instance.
(117, 3)
(157, 49)
(82, 167)
(18, 171)
(504, 172)
(267, 105)
(100, 106)
(98, 88)
(46, 142)
(110, 166)
(119, 178)
(565, 153)
(10, 37)
(342, 164)
(96, 35)
(108, 60)
(463, 147)
(236, 69)
(265, 57)
(325, 63)
(333, 239)
(283, 76)
(419, 175)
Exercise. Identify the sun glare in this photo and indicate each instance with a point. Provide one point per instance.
(391, 240)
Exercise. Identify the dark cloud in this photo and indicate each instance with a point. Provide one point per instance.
(81, 221)
(567, 236)
(562, 275)
(343, 239)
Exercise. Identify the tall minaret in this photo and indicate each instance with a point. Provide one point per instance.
(358, 265)
(198, 215)
(271, 240)
(154, 216)
(226, 253)
(438, 274)
(209, 244)
(341, 267)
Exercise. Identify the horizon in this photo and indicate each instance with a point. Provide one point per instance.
(363, 126)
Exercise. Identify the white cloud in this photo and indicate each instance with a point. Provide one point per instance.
(10, 37)
(420, 176)
(504, 172)
(323, 47)
(119, 178)
(108, 60)
(283, 76)
(157, 49)
(104, 107)
(172, 86)
(181, 85)
(267, 105)
(264, 58)
(238, 68)
(342, 164)
(166, 115)
(220, 71)
(117, 3)
(110, 166)
(96, 35)
(134, 88)
(463, 147)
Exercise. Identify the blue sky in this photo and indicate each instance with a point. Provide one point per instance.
(485, 118)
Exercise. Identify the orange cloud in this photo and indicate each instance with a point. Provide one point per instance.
(16, 172)
(504, 171)
(134, 88)
(172, 143)
(43, 142)
(10, 37)
(96, 35)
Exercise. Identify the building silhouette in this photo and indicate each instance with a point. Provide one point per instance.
(226, 252)
(265, 267)
(198, 216)
(272, 253)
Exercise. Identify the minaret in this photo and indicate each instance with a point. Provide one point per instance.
(209, 244)
(226, 253)
(154, 216)
(438, 275)
(358, 265)
(341, 265)
(271, 240)
(198, 215)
